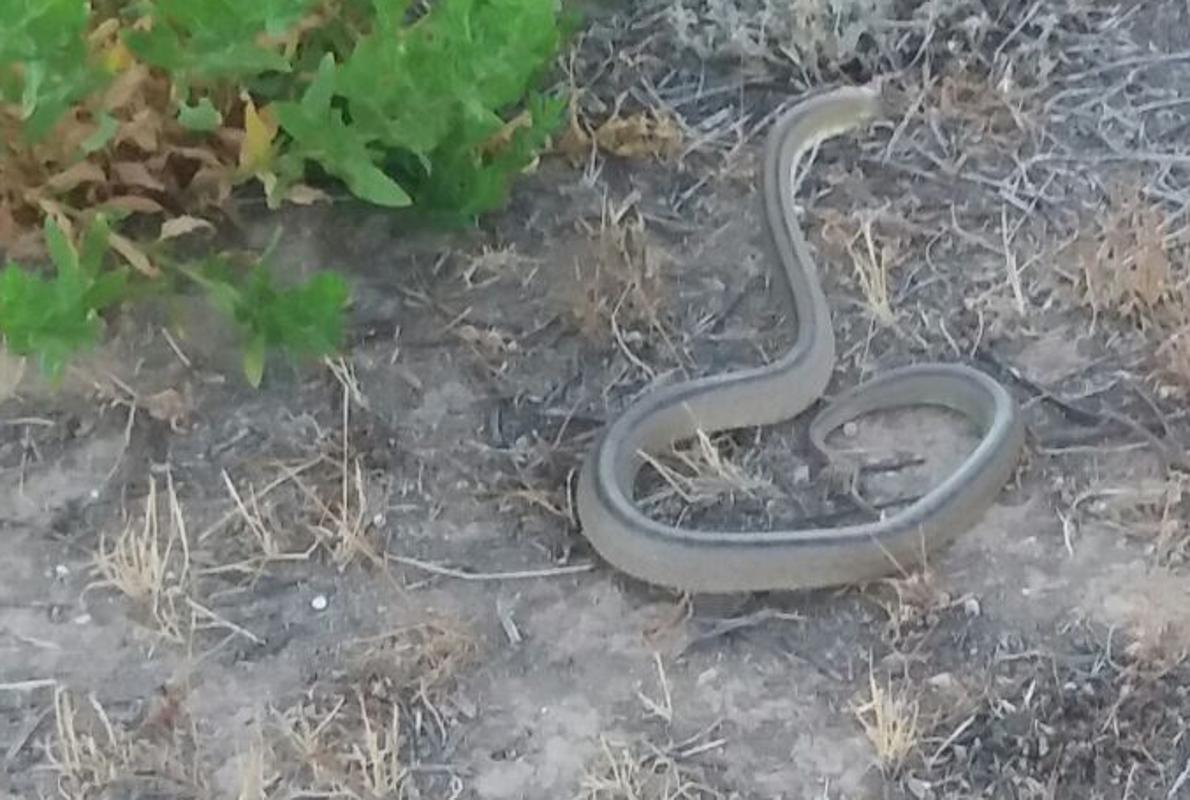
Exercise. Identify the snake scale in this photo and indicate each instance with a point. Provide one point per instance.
(723, 561)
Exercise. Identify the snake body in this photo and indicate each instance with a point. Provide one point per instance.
(721, 561)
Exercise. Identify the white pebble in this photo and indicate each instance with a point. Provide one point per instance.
(319, 602)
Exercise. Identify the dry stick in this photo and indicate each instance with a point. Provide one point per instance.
(28, 686)
(448, 572)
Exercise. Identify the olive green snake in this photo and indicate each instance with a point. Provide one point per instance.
(722, 561)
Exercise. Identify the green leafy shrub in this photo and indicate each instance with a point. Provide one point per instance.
(54, 318)
(160, 107)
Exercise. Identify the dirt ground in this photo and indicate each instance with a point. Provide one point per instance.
(365, 579)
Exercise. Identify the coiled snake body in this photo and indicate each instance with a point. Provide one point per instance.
(715, 561)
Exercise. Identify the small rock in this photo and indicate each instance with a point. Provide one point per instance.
(850, 428)
(919, 788)
(61, 572)
(319, 602)
(971, 606)
(943, 680)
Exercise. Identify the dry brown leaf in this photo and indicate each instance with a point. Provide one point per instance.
(143, 130)
(133, 203)
(501, 138)
(639, 135)
(12, 370)
(70, 134)
(198, 154)
(127, 86)
(574, 143)
(76, 175)
(62, 215)
(168, 405)
(103, 32)
(180, 226)
(133, 255)
(9, 229)
(304, 195)
(210, 186)
(135, 173)
(1125, 263)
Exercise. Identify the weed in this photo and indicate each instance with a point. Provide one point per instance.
(152, 568)
(889, 719)
(623, 774)
(305, 319)
(871, 252)
(88, 753)
(1126, 269)
(160, 109)
(57, 317)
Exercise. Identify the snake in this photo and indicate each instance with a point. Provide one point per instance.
(698, 560)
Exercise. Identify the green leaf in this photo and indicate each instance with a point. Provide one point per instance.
(368, 182)
(34, 76)
(305, 319)
(253, 361)
(95, 246)
(202, 118)
(54, 318)
(62, 252)
(316, 101)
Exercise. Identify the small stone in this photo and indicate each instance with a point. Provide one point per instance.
(943, 680)
(919, 788)
(971, 606)
(61, 572)
(850, 428)
(82, 619)
(319, 602)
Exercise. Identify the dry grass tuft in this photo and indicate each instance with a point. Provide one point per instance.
(418, 660)
(701, 473)
(620, 284)
(645, 134)
(151, 566)
(1150, 511)
(919, 597)
(624, 774)
(872, 252)
(1125, 267)
(87, 751)
(358, 738)
(343, 748)
(93, 756)
(890, 721)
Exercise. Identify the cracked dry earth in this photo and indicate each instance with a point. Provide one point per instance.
(366, 580)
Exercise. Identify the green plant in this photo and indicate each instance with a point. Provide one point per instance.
(54, 318)
(305, 319)
(45, 66)
(161, 106)
(424, 99)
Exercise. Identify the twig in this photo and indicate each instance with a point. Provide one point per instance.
(1180, 781)
(516, 575)
(28, 686)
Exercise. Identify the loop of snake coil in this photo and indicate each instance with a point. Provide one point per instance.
(713, 561)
